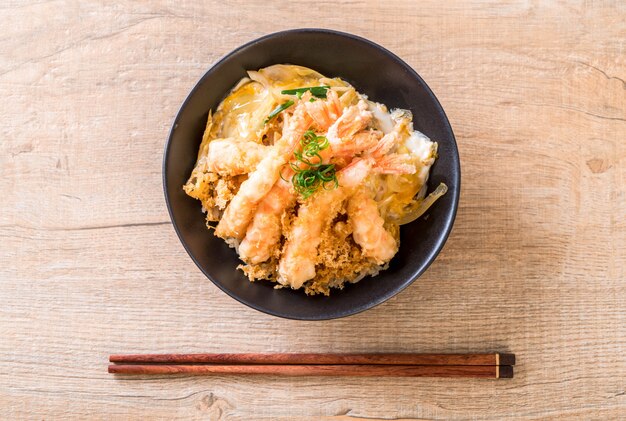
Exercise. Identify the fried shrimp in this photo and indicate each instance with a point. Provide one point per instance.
(297, 264)
(368, 228)
(263, 234)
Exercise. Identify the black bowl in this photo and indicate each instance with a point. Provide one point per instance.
(372, 70)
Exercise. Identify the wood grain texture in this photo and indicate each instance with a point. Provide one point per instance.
(535, 265)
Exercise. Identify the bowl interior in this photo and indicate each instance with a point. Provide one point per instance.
(373, 71)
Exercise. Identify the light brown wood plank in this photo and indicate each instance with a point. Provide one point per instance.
(90, 265)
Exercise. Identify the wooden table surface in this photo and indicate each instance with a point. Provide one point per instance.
(90, 264)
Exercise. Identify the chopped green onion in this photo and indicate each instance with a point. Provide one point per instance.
(278, 110)
(316, 91)
(314, 174)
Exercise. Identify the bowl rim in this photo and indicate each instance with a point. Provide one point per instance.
(450, 217)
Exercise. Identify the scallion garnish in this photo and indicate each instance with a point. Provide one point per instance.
(317, 91)
(308, 178)
(278, 110)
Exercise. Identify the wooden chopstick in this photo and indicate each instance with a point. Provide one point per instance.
(450, 371)
(486, 365)
(486, 359)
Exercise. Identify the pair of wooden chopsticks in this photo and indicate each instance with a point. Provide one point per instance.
(489, 366)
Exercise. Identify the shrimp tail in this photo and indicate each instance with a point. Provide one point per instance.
(360, 142)
(354, 119)
(384, 145)
(394, 164)
(325, 113)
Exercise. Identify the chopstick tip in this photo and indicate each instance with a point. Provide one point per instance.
(506, 359)
(505, 372)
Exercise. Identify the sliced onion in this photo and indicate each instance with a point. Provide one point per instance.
(267, 84)
(422, 193)
(422, 207)
(279, 77)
